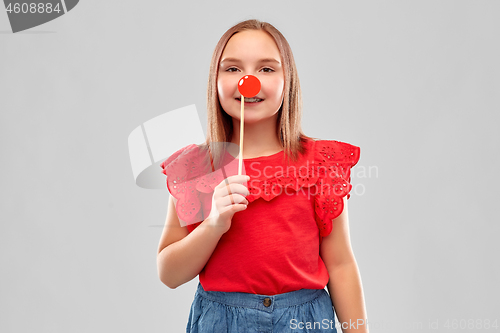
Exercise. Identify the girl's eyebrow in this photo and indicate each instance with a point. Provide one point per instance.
(260, 61)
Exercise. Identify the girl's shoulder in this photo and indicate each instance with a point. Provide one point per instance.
(184, 152)
(333, 152)
(186, 161)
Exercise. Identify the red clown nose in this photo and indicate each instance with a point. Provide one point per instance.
(249, 86)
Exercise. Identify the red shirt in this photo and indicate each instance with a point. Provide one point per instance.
(272, 247)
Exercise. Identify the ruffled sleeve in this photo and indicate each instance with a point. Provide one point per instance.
(333, 160)
(184, 171)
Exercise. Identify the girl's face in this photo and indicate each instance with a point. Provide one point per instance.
(251, 52)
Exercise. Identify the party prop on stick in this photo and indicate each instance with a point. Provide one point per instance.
(248, 86)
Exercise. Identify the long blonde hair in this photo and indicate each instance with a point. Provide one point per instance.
(288, 126)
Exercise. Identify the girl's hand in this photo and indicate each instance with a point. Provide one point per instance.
(228, 198)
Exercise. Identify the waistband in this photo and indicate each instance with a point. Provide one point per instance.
(261, 302)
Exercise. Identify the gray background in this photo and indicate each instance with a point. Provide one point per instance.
(415, 84)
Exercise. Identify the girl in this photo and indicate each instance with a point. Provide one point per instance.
(265, 243)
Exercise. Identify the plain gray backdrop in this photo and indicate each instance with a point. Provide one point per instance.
(415, 84)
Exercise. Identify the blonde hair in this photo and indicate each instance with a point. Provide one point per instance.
(288, 126)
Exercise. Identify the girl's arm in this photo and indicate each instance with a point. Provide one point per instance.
(182, 255)
(344, 285)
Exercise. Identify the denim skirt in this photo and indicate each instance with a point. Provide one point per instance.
(304, 310)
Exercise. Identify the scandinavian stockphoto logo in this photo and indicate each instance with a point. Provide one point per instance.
(26, 15)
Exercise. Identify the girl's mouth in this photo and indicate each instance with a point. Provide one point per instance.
(252, 100)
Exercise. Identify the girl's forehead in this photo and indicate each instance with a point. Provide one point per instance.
(250, 43)
(250, 37)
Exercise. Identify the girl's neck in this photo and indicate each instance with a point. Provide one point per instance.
(259, 138)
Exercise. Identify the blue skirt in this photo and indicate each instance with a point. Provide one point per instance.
(304, 310)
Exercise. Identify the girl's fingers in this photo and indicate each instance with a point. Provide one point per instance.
(231, 193)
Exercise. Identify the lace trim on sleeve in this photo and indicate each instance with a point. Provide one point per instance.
(334, 161)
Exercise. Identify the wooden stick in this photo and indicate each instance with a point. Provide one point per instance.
(242, 117)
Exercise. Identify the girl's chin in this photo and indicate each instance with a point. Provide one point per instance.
(248, 118)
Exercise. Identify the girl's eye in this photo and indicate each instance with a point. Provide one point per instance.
(265, 69)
